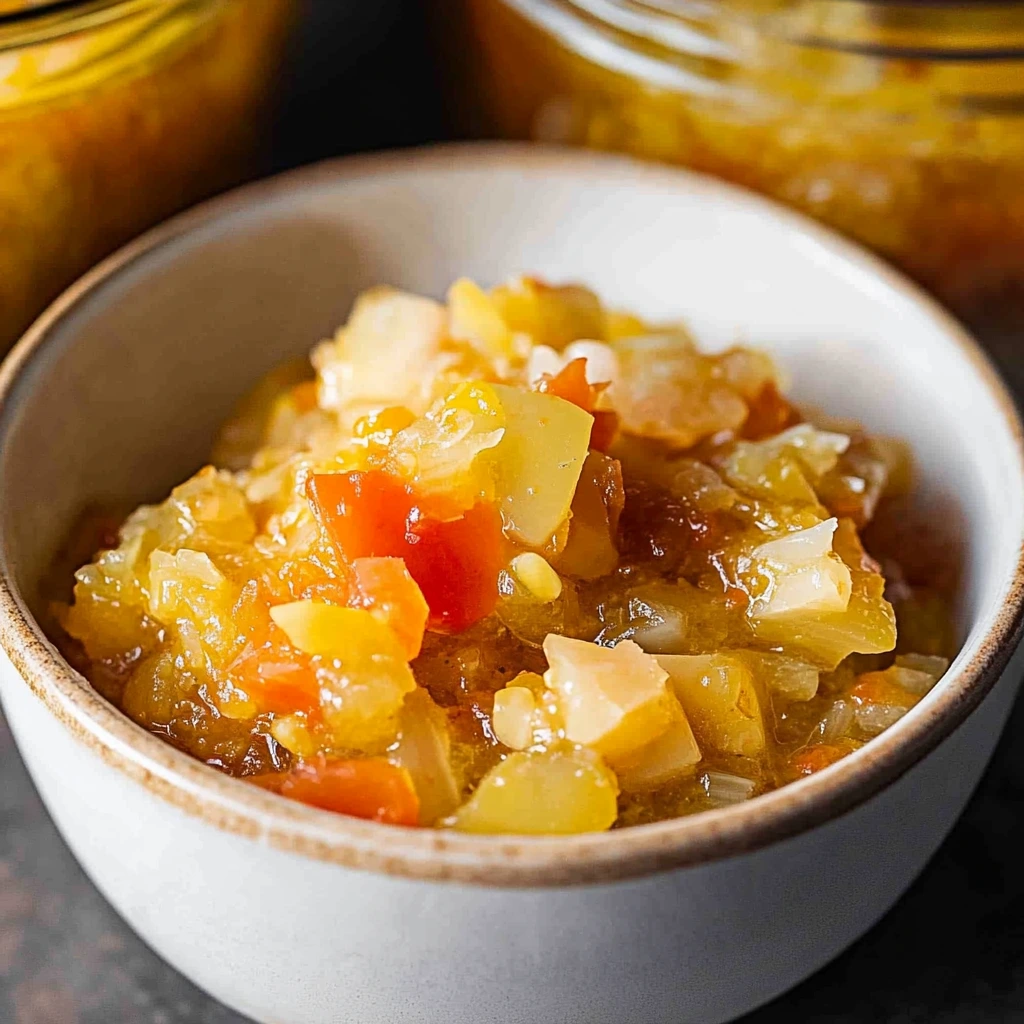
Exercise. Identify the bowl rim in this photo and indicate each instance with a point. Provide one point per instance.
(497, 861)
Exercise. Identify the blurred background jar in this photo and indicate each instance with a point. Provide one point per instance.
(899, 124)
(115, 114)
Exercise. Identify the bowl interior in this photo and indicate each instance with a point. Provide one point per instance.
(125, 395)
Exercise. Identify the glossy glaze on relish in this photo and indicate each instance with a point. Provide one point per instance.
(518, 563)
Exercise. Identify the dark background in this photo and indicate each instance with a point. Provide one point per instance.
(361, 78)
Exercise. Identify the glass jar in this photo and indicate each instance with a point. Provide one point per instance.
(115, 114)
(900, 124)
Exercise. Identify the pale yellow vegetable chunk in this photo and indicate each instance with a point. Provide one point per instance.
(293, 733)
(536, 574)
(817, 451)
(717, 693)
(674, 753)
(823, 587)
(352, 372)
(437, 453)
(187, 579)
(788, 679)
(924, 666)
(336, 632)
(807, 577)
(553, 315)
(473, 316)
(538, 462)
(866, 625)
(512, 717)
(526, 713)
(666, 389)
(363, 676)
(612, 699)
(423, 750)
(555, 793)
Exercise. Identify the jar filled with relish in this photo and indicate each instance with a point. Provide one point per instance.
(899, 124)
(115, 114)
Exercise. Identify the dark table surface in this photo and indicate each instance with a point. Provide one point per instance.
(951, 950)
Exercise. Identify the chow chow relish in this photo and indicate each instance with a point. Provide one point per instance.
(518, 563)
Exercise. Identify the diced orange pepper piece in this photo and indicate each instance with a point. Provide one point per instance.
(571, 384)
(455, 562)
(385, 588)
(364, 514)
(278, 678)
(269, 670)
(371, 788)
(304, 396)
(814, 759)
(877, 688)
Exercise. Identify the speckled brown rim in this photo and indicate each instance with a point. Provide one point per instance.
(499, 861)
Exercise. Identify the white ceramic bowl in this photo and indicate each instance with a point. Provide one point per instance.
(295, 916)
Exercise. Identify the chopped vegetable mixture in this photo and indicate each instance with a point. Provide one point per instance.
(521, 564)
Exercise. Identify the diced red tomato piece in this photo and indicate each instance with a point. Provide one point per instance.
(455, 562)
(370, 788)
(385, 588)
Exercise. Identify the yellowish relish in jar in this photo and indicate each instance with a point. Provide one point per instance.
(114, 115)
(896, 123)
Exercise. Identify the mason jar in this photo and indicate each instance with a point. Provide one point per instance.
(115, 114)
(899, 124)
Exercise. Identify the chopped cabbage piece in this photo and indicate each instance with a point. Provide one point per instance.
(867, 624)
(672, 754)
(473, 316)
(613, 700)
(667, 390)
(423, 749)
(805, 576)
(352, 374)
(437, 453)
(717, 693)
